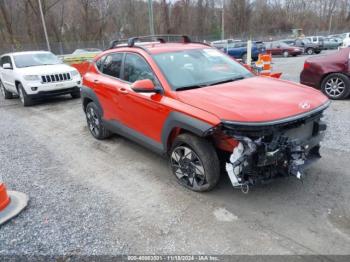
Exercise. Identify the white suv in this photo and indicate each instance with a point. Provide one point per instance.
(37, 74)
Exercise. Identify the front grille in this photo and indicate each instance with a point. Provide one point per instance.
(55, 78)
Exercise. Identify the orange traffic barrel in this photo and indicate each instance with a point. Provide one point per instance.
(11, 203)
(4, 198)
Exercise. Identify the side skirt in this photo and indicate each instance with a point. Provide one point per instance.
(139, 138)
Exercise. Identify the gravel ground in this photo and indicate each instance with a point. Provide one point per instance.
(115, 197)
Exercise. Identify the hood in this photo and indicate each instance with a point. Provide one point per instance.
(46, 69)
(256, 99)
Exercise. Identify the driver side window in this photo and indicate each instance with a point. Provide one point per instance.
(136, 68)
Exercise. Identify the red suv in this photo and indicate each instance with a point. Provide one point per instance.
(204, 110)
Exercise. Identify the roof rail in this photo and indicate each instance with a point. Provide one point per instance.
(160, 38)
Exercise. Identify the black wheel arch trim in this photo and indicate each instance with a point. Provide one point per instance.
(89, 94)
(183, 121)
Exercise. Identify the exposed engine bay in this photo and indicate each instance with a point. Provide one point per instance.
(265, 151)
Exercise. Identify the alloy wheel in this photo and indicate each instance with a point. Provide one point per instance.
(93, 121)
(187, 167)
(335, 87)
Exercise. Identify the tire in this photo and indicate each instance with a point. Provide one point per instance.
(6, 94)
(317, 52)
(285, 53)
(244, 58)
(75, 95)
(23, 97)
(94, 122)
(310, 51)
(194, 163)
(336, 86)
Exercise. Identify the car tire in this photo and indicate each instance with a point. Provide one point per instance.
(285, 54)
(336, 86)
(75, 95)
(6, 94)
(310, 51)
(23, 97)
(317, 52)
(94, 122)
(194, 162)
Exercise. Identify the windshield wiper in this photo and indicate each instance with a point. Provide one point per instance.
(227, 81)
(189, 87)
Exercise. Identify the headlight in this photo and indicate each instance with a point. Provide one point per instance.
(31, 78)
(74, 73)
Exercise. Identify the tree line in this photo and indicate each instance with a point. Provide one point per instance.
(103, 20)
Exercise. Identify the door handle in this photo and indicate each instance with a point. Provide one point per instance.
(96, 81)
(123, 90)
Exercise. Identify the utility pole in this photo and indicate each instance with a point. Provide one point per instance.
(44, 26)
(223, 21)
(150, 14)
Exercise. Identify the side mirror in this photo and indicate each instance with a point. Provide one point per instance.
(7, 66)
(144, 86)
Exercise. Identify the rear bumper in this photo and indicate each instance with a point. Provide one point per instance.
(43, 94)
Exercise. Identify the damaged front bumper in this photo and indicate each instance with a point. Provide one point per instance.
(265, 152)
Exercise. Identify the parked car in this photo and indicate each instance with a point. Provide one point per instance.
(317, 40)
(308, 47)
(198, 106)
(36, 74)
(281, 48)
(329, 73)
(331, 43)
(224, 43)
(238, 50)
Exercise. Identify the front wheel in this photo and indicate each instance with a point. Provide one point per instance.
(25, 99)
(195, 163)
(336, 86)
(75, 94)
(6, 94)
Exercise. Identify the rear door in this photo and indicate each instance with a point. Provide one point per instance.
(107, 84)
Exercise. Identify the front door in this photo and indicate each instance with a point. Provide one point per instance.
(142, 112)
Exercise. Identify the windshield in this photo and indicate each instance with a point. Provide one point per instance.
(38, 59)
(200, 67)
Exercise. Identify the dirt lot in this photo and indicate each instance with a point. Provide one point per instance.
(115, 197)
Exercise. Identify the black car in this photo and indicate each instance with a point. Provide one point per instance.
(308, 47)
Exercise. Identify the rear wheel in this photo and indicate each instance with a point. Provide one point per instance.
(195, 163)
(6, 94)
(285, 54)
(310, 51)
(336, 86)
(26, 101)
(94, 122)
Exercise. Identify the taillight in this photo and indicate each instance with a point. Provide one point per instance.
(306, 65)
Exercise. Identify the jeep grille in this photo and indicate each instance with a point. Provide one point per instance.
(55, 78)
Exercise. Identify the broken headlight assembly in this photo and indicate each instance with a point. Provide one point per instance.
(266, 151)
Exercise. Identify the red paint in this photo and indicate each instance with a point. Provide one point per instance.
(256, 99)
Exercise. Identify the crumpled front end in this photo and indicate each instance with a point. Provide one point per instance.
(268, 150)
